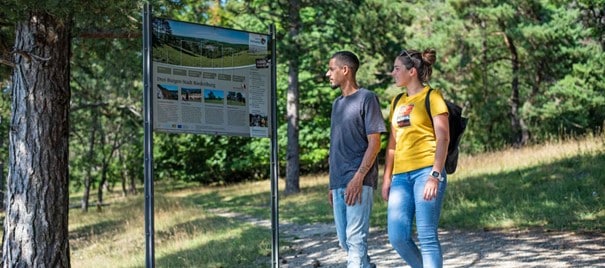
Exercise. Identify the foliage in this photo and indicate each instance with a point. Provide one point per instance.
(545, 47)
(574, 105)
(105, 101)
(555, 90)
(210, 159)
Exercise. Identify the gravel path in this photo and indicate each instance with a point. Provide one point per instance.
(316, 245)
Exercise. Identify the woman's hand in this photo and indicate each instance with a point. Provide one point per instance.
(431, 188)
(386, 187)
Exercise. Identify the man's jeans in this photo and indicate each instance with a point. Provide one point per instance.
(353, 225)
(405, 201)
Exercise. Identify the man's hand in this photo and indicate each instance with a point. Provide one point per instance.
(354, 190)
(330, 200)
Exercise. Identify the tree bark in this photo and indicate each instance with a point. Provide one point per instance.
(122, 173)
(36, 222)
(293, 148)
(91, 149)
(519, 128)
(104, 167)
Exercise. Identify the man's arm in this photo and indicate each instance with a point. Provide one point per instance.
(354, 188)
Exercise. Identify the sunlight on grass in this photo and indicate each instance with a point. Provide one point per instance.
(549, 186)
(98, 239)
(185, 236)
(513, 159)
(557, 186)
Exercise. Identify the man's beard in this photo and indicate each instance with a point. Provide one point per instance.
(334, 86)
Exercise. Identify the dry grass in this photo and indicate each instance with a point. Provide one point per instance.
(512, 159)
(555, 185)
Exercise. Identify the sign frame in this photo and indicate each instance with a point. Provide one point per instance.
(262, 97)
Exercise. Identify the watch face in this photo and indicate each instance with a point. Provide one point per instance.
(437, 175)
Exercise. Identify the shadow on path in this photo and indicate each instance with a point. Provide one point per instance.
(317, 243)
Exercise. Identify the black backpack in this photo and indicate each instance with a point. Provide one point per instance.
(457, 126)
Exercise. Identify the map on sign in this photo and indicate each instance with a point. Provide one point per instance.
(210, 80)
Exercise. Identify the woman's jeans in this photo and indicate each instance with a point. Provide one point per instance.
(353, 225)
(405, 200)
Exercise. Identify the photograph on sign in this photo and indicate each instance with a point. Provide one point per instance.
(210, 80)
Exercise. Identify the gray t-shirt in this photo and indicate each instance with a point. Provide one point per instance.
(354, 117)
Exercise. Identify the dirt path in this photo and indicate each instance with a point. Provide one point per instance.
(461, 248)
(316, 244)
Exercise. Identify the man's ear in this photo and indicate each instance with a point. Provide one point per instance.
(345, 69)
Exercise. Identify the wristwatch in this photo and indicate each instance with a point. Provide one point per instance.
(437, 175)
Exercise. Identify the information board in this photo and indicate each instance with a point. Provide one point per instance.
(210, 80)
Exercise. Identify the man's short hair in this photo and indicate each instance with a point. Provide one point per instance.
(347, 58)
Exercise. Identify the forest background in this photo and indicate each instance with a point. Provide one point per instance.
(526, 72)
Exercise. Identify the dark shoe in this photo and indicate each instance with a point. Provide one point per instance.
(372, 265)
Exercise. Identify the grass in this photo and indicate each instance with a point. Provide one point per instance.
(185, 236)
(562, 195)
(555, 186)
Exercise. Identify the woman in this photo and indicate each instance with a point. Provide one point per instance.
(414, 179)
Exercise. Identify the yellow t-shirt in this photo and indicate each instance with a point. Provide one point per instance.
(413, 130)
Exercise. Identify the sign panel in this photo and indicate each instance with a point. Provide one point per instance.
(210, 80)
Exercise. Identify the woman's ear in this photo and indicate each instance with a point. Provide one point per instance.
(413, 71)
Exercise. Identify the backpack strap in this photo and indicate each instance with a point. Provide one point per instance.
(396, 101)
(427, 104)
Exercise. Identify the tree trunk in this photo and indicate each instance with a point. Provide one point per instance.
(91, 149)
(104, 165)
(35, 226)
(133, 185)
(520, 131)
(100, 191)
(122, 173)
(484, 59)
(293, 149)
(128, 182)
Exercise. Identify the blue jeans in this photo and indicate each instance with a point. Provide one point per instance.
(353, 225)
(405, 200)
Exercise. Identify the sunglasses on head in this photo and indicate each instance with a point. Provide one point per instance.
(413, 62)
(406, 53)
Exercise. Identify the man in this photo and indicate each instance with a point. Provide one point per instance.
(356, 125)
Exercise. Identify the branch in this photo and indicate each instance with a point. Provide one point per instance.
(9, 63)
(131, 109)
(110, 35)
(88, 105)
(29, 56)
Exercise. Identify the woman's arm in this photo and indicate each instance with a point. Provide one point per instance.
(388, 166)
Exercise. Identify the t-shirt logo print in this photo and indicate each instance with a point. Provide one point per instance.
(403, 115)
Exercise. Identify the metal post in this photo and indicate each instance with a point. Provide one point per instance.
(274, 158)
(148, 143)
(2, 189)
